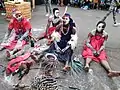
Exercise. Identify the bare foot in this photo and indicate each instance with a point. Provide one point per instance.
(66, 68)
(86, 68)
(114, 74)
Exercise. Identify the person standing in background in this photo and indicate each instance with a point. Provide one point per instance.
(61, 2)
(48, 5)
(2, 6)
(54, 2)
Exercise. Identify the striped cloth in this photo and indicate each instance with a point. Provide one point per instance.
(44, 83)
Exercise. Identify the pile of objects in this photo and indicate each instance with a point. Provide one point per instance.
(24, 7)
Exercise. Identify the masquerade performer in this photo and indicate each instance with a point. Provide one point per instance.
(65, 43)
(19, 65)
(22, 32)
(94, 48)
(113, 9)
(54, 23)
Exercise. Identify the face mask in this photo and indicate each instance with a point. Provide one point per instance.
(66, 20)
(100, 27)
(56, 13)
(19, 18)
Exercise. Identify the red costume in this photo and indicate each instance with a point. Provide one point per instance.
(14, 64)
(96, 42)
(24, 25)
(19, 28)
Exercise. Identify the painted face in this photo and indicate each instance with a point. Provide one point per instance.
(100, 27)
(66, 20)
(57, 13)
(18, 16)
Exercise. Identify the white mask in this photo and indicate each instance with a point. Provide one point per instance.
(56, 13)
(100, 27)
(66, 20)
(19, 18)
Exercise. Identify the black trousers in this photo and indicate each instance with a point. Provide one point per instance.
(1, 4)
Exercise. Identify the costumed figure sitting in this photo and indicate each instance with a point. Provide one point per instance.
(65, 42)
(21, 61)
(54, 23)
(21, 28)
(94, 49)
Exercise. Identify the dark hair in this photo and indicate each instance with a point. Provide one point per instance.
(54, 9)
(67, 14)
(102, 23)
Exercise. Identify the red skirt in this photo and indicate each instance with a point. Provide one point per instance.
(49, 32)
(87, 53)
(96, 42)
(14, 64)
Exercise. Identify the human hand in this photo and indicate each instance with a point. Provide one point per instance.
(68, 46)
(96, 53)
(58, 49)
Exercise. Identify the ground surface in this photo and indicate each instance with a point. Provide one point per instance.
(86, 21)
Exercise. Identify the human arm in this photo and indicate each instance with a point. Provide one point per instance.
(24, 35)
(59, 27)
(88, 42)
(103, 46)
(27, 31)
(48, 24)
(73, 41)
(7, 34)
(10, 28)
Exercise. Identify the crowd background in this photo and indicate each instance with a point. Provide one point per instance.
(83, 4)
(86, 4)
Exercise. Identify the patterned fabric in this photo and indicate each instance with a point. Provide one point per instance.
(44, 83)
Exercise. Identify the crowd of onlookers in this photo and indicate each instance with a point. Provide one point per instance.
(85, 4)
